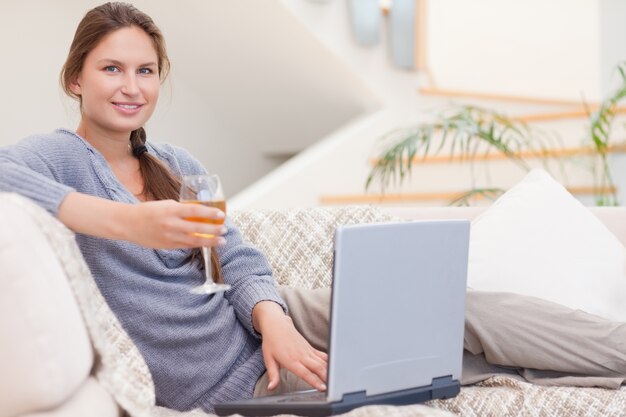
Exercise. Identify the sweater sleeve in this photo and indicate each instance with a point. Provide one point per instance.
(247, 270)
(26, 173)
(244, 267)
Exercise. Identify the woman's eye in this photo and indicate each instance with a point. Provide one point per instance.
(145, 71)
(111, 68)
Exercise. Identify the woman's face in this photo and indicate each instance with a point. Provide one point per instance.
(119, 83)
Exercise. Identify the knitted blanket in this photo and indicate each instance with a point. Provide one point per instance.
(298, 244)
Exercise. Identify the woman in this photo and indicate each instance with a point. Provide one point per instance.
(118, 192)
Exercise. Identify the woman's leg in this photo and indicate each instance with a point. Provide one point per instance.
(310, 311)
(525, 332)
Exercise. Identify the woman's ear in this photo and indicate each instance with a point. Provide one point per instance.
(75, 87)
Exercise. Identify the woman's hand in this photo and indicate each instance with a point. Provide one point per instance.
(153, 224)
(284, 347)
(164, 225)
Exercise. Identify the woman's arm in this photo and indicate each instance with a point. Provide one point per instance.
(36, 182)
(154, 224)
(158, 224)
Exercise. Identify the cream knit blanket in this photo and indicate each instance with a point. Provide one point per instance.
(298, 243)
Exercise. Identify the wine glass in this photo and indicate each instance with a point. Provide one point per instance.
(205, 190)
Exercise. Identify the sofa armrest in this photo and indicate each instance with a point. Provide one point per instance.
(45, 354)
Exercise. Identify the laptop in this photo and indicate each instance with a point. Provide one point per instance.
(396, 320)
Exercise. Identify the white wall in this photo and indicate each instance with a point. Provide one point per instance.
(329, 21)
(34, 42)
(612, 41)
(249, 85)
(556, 49)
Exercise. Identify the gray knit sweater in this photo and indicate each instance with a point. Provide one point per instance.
(200, 350)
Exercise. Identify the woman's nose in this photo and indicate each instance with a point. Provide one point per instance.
(130, 86)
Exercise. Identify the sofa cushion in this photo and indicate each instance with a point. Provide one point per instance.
(119, 367)
(89, 400)
(45, 353)
(538, 240)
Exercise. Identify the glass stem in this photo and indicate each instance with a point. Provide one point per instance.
(206, 255)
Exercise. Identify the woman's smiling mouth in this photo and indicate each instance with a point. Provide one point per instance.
(128, 108)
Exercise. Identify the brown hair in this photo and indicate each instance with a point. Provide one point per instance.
(159, 182)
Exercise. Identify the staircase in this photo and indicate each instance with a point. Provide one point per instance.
(334, 170)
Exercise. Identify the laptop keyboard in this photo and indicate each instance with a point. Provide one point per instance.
(311, 396)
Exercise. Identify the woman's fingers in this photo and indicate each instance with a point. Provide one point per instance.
(204, 241)
(317, 365)
(310, 377)
(201, 229)
(195, 236)
(272, 373)
(322, 355)
(187, 241)
(170, 224)
(200, 213)
(203, 225)
(312, 369)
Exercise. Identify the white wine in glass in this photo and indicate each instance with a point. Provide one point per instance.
(206, 190)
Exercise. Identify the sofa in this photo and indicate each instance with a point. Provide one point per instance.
(63, 353)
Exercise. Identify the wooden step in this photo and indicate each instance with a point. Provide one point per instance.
(440, 92)
(429, 197)
(498, 156)
(578, 110)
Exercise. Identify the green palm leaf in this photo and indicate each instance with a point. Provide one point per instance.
(467, 130)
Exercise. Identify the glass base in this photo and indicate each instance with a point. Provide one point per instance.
(210, 288)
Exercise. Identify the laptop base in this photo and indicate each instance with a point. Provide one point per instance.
(441, 388)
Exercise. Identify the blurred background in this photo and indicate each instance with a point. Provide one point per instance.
(295, 102)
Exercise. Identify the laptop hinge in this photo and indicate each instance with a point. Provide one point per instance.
(445, 387)
(442, 381)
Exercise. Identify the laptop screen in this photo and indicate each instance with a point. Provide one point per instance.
(397, 309)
